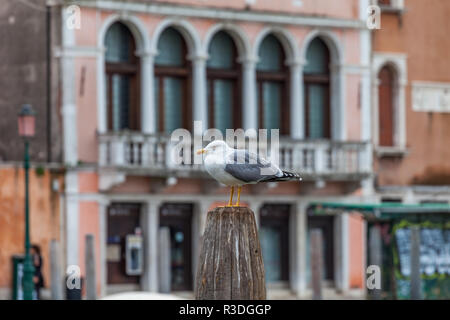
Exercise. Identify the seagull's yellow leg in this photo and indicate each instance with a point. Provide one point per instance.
(239, 196)
(230, 203)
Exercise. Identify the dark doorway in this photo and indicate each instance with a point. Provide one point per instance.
(326, 224)
(178, 218)
(123, 219)
(274, 237)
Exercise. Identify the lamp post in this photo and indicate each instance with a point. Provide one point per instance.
(26, 122)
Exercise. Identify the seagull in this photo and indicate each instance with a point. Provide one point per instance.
(237, 167)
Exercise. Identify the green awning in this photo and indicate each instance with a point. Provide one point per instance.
(381, 210)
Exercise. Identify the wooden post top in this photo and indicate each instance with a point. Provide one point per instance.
(230, 265)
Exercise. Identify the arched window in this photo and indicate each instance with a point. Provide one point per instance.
(385, 107)
(317, 91)
(172, 83)
(223, 84)
(122, 79)
(272, 76)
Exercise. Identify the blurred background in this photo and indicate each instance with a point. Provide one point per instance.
(359, 89)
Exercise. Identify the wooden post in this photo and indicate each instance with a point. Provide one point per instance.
(415, 264)
(230, 265)
(375, 255)
(55, 270)
(91, 283)
(316, 263)
(164, 260)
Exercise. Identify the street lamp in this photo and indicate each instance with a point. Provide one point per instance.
(26, 122)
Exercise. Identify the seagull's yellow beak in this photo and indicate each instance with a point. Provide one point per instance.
(201, 151)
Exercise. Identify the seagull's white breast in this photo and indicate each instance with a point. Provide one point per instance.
(215, 166)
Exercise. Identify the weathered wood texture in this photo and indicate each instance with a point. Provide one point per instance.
(230, 265)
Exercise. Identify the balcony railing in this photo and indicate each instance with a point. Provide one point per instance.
(311, 158)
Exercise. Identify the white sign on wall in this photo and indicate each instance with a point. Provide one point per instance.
(431, 96)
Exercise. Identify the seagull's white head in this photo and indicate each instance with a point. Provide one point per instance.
(216, 147)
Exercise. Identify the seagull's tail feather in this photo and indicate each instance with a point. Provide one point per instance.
(287, 176)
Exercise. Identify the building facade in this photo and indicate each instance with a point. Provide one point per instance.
(410, 131)
(362, 116)
(410, 101)
(134, 71)
(25, 78)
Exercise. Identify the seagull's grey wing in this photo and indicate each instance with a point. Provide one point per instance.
(249, 167)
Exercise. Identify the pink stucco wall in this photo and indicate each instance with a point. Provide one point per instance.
(340, 9)
(356, 251)
(86, 109)
(87, 182)
(353, 107)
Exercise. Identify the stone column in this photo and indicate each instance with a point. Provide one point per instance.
(56, 271)
(341, 254)
(69, 94)
(91, 278)
(199, 96)
(148, 108)
(103, 209)
(149, 280)
(338, 110)
(376, 255)
(249, 108)
(301, 250)
(71, 218)
(400, 135)
(296, 100)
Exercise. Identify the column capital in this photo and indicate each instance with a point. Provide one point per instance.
(296, 62)
(301, 206)
(104, 202)
(146, 53)
(154, 203)
(248, 61)
(198, 57)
